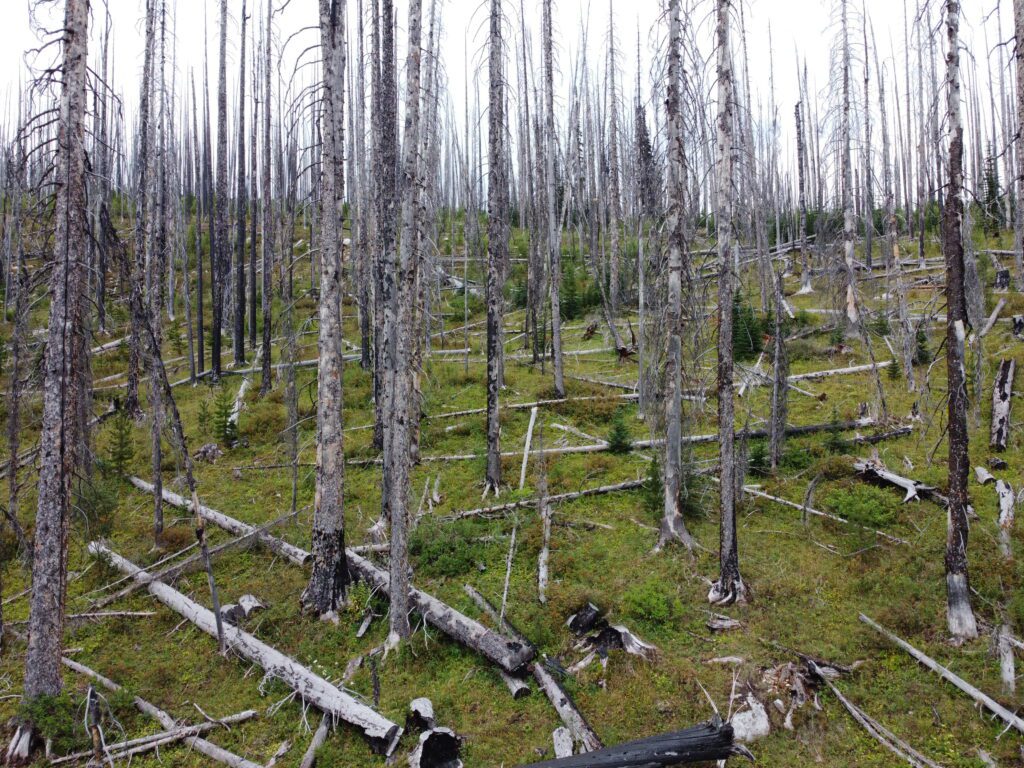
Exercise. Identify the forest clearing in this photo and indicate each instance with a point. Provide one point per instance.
(628, 408)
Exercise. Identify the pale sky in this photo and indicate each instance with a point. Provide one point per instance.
(801, 27)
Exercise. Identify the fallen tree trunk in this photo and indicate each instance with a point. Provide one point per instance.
(513, 505)
(981, 698)
(381, 732)
(123, 749)
(1007, 502)
(913, 489)
(702, 743)
(278, 546)
(992, 318)
(510, 655)
(1002, 390)
(318, 740)
(195, 742)
(839, 371)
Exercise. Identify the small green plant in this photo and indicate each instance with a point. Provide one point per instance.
(650, 602)
(894, 371)
(225, 430)
(864, 505)
(619, 441)
(652, 492)
(747, 331)
(120, 444)
(880, 324)
(204, 417)
(922, 355)
(834, 442)
(837, 334)
(445, 550)
(56, 719)
(95, 502)
(175, 333)
(758, 461)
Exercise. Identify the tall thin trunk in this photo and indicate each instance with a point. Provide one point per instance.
(729, 588)
(960, 616)
(267, 244)
(238, 337)
(58, 438)
(329, 581)
(221, 257)
(497, 242)
(673, 527)
(554, 230)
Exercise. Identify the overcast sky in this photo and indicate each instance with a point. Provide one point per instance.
(777, 31)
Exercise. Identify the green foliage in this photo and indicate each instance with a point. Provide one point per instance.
(650, 602)
(748, 330)
(922, 354)
(120, 444)
(652, 493)
(894, 371)
(224, 429)
(758, 461)
(991, 207)
(880, 324)
(175, 332)
(837, 334)
(95, 502)
(619, 441)
(204, 417)
(445, 550)
(864, 505)
(56, 719)
(834, 442)
(570, 293)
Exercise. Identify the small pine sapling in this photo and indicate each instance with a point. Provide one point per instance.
(619, 441)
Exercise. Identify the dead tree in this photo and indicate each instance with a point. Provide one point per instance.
(780, 382)
(960, 616)
(497, 244)
(554, 230)
(238, 337)
(1018, 219)
(267, 210)
(398, 348)
(328, 583)
(220, 257)
(729, 588)
(61, 384)
(673, 527)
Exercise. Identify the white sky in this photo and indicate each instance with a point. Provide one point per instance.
(802, 26)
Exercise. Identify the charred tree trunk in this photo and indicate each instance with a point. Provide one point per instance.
(61, 384)
(729, 588)
(328, 583)
(267, 245)
(960, 616)
(238, 337)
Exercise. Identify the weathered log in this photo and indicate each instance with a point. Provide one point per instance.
(1007, 503)
(198, 744)
(501, 509)
(818, 513)
(123, 749)
(979, 697)
(276, 545)
(1006, 660)
(702, 743)
(526, 448)
(382, 733)
(913, 489)
(990, 323)
(319, 737)
(838, 371)
(562, 740)
(1002, 391)
(879, 732)
(437, 748)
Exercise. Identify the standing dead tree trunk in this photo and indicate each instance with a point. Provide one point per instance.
(729, 588)
(960, 616)
(219, 253)
(398, 350)
(1002, 391)
(238, 337)
(801, 165)
(497, 245)
(780, 382)
(1018, 219)
(267, 208)
(328, 583)
(554, 230)
(673, 527)
(61, 383)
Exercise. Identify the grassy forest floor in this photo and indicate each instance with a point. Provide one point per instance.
(807, 582)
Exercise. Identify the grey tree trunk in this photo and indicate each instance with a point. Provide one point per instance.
(959, 614)
(729, 588)
(267, 245)
(329, 580)
(673, 527)
(220, 256)
(554, 230)
(1018, 220)
(58, 437)
(238, 337)
(780, 382)
(497, 243)
(398, 428)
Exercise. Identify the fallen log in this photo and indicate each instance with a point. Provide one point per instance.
(573, 719)
(839, 371)
(526, 448)
(319, 737)
(990, 323)
(702, 743)
(501, 509)
(381, 732)
(979, 697)
(197, 743)
(1002, 390)
(1007, 503)
(278, 546)
(508, 654)
(879, 732)
(913, 489)
(123, 749)
(818, 513)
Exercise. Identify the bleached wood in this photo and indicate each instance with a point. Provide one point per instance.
(526, 448)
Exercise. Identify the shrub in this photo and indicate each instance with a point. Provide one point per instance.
(864, 505)
(922, 355)
(758, 461)
(120, 444)
(225, 430)
(747, 330)
(619, 441)
(56, 719)
(650, 602)
(95, 501)
(204, 417)
(444, 550)
(652, 493)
